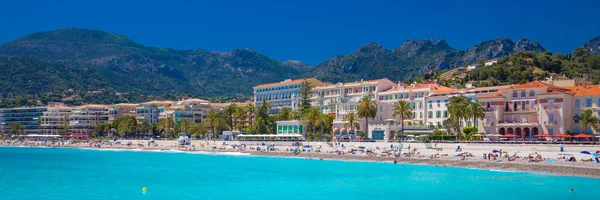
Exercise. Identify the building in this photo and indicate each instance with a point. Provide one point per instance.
(194, 110)
(147, 112)
(585, 98)
(282, 94)
(120, 110)
(340, 99)
(55, 121)
(28, 117)
(84, 119)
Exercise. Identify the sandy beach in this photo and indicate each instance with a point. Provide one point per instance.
(546, 159)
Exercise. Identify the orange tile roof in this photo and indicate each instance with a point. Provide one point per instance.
(436, 87)
(492, 95)
(312, 81)
(580, 91)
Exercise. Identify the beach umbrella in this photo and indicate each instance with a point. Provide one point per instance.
(561, 135)
(306, 146)
(542, 135)
(509, 136)
(585, 152)
(582, 136)
(495, 151)
(361, 147)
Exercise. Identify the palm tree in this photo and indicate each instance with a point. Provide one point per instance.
(312, 117)
(296, 115)
(143, 127)
(251, 109)
(16, 128)
(230, 110)
(211, 120)
(367, 108)
(352, 121)
(284, 113)
(457, 111)
(475, 111)
(241, 113)
(404, 110)
(587, 118)
(324, 124)
(166, 125)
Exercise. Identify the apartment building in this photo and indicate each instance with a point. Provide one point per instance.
(28, 117)
(342, 98)
(84, 119)
(55, 121)
(194, 110)
(282, 94)
(585, 98)
(122, 109)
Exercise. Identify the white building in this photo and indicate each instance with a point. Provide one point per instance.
(281, 94)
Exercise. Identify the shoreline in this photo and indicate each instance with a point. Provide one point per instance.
(545, 168)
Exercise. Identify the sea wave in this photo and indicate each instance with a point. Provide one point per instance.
(171, 151)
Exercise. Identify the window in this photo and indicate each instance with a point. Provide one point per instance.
(551, 102)
(438, 114)
(488, 104)
(420, 115)
(575, 119)
(430, 104)
(551, 131)
(380, 108)
(414, 115)
(439, 125)
(576, 130)
(576, 103)
(420, 105)
(523, 93)
(588, 102)
(438, 103)
(551, 118)
(445, 114)
(514, 94)
(531, 93)
(429, 114)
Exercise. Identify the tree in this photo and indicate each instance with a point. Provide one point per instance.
(181, 126)
(284, 113)
(457, 111)
(312, 117)
(241, 114)
(475, 111)
(587, 118)
(166, 126)
(305, 91)
(197, 130)
(367, 108)
(251, 110)
(296, 115)
(324, 124)
(230, 110)
(211, 120)
(352, 121)
(125, 126)
(143, 127)
(451, 124)
(64, 127)
(404, 110)
(16, 128)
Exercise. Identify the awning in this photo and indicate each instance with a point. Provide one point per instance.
(582, 136)
(271, 135)
(38, 135)
(561, 135)
(542, 135)
(509, 136)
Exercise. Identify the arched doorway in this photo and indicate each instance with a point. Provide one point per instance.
(527, 133)
(510, 131)
(518, 132)
(534, 130)
(501, 131)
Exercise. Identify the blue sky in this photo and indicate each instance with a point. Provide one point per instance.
(310, 31)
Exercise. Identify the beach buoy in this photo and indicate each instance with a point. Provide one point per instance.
(144, 190)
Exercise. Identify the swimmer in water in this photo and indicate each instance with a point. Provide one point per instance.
(572, 190)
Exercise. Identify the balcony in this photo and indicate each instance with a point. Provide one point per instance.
(521, 110)
(551, 123)
(517, 123)
(550, 107)
(488, 124)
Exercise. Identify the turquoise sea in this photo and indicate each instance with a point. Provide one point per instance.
(49, 174)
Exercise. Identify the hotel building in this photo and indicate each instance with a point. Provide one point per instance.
(281, 94)
(194, 110)
(342, 98)
(84, 119)
(28, 117)
(55, 121)
(120, 110)
(585, 98)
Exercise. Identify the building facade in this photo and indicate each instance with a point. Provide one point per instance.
(84, 119)
(28, 117)
(55, 121)
(281, 94)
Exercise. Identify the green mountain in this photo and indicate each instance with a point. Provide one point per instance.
(110, 61)
(593, 45)
(414, 58)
